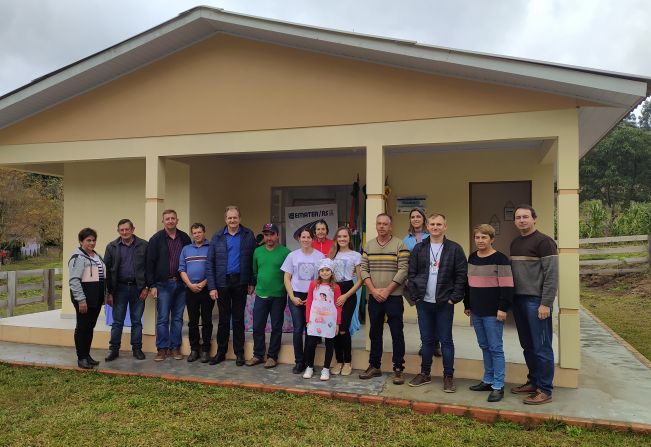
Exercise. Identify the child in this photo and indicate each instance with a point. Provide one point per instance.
(322, 316)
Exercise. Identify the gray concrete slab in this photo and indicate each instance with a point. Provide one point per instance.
(614, 384)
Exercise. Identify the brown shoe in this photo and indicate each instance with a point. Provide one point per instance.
(420, 379)
(253, 361)
(347, 369)
(537, 398)
(160, 356)
(398, 377)
(270, 363)
(448, 385)
(370, 373)
(336, 370)
(527, 388)
(176, 353)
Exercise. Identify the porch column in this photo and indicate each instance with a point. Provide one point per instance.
(567, 177)
(374, 201)
(154, 205)
(374, 187)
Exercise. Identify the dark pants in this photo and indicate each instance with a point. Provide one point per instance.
(262, 308)
(393, 308)
(435, 323)
(298, 321)
(310, 350)
(343, 343)
(536, 340)
(231, 303)
(84, 329)
(126, 295)
(199, 305)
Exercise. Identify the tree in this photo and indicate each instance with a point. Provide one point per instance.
(618, 170)
(645, 117)
(31, 206)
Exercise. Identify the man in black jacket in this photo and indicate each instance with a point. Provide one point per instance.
(165, 285)
(126, 285)
(437, 276)
(230, 277)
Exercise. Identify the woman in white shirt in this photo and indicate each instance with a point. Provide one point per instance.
(300, 270)
(346, 265)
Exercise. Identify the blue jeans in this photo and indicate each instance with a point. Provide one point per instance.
(536, 340)
(262, 308)
(489, 337)
(435, 321)
(394, 309)
(124, 295)
(169, 319)
(298, 320)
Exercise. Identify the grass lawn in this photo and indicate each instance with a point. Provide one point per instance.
(624, 304)
(70, 408)
(51, 259)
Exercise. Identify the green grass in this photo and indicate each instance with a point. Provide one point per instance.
(69, 408)
(613, 256)
(50, 260)
(624, 304)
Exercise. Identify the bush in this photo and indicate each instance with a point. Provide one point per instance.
(634, 220)
(594, 219)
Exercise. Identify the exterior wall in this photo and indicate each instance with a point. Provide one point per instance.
(444, 178)
(231, 84)
(98, 194)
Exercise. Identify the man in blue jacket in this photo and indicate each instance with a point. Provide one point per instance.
(230, 277)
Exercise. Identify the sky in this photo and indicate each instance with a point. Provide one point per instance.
(40, 36)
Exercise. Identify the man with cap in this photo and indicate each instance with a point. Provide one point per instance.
(270, 297)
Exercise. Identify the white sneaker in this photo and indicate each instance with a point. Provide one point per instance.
(325, 374)
(309, 372)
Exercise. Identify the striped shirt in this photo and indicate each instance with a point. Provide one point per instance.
(534, 259)
(384, 264)
(174, 246)
(490, 284)
(193, 261)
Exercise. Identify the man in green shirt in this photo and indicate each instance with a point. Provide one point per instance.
(270, 297)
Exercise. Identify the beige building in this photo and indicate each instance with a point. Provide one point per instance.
(213, 108)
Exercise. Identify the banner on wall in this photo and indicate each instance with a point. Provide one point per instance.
(299, 217)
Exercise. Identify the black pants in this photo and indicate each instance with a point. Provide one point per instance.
(84, 329)
(393, 308)
(199, 305)
(231, 303)
(310, 350)
(343, 343)
(263, 307)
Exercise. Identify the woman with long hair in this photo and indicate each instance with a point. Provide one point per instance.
(346, 265)
(300, 269)
(417, 231)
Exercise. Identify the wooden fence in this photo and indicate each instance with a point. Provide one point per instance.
(48, 286)
(637, 264)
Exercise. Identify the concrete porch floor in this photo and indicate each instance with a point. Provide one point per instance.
(49, 328)
(613, 384)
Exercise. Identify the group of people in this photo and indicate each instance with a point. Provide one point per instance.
(319, 282)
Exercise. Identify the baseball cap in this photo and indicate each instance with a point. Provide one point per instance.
(270, 228)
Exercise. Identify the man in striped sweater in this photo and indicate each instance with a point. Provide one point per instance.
(384, 270)
(534, 261)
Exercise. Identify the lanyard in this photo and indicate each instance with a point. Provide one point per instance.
(436, 257)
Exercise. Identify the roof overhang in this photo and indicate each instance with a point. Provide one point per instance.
(617, 93)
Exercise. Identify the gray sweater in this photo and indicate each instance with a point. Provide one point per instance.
(534, 262)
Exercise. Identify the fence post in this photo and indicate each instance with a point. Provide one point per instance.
(11, 293)
(48, 288)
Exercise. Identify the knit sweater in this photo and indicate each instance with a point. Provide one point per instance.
(534, 261)
(490, 284)
(384, 264)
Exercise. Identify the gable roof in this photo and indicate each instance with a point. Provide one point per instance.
(618, 93)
